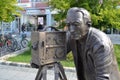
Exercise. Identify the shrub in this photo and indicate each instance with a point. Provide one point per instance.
(70, 56)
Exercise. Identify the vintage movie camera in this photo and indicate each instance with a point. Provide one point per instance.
(48, 47)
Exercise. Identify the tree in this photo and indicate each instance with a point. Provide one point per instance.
(103, 12)
(62, 6)
(8, 10)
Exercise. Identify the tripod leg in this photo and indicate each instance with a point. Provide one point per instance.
(39, 74)
(44, 73)
(59, 72)
(56, 72)
(62, 72)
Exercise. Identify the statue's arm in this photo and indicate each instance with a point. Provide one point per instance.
(102, 61)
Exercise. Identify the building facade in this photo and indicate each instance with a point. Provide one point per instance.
(34, 12)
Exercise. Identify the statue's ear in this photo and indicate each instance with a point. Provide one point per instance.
(89, 23)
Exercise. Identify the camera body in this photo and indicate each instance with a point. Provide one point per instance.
(48, 47)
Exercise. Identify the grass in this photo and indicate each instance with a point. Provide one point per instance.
(26, 57)
(67, 63)
(117, 54)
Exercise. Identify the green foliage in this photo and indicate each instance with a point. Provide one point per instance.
(29, 44)
(62, 6)
(70, 56)
(117, 53)
(107, 16)
(104, 14)
(68, 63)
(8, 10)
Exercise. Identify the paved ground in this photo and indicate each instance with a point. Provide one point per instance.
(23, 73)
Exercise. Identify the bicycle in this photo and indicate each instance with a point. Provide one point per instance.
(2, 42)
(18, 46)
(6, 43)
(14, 44)
(24, 42)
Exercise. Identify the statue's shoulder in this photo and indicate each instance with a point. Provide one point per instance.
(98, 33)
(99, 36)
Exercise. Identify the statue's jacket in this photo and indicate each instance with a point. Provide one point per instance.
(94, 57)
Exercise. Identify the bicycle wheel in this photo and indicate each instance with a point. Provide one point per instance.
(18, 47)
(24, 43)
(11, 44)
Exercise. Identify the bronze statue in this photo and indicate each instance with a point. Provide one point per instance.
(92, 50)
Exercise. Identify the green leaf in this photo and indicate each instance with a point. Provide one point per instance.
(8, 10)
(105, 14)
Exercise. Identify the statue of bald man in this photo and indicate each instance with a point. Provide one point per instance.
(92, 49)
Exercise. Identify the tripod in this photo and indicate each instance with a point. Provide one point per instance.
(58, 69)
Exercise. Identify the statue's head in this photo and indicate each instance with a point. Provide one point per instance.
(78, 21)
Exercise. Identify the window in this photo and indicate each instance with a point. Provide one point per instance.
(39, 0)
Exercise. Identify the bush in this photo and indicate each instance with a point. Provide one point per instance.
(70, 56)
(29, 44)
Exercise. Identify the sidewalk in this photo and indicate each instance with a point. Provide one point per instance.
(23, 73)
